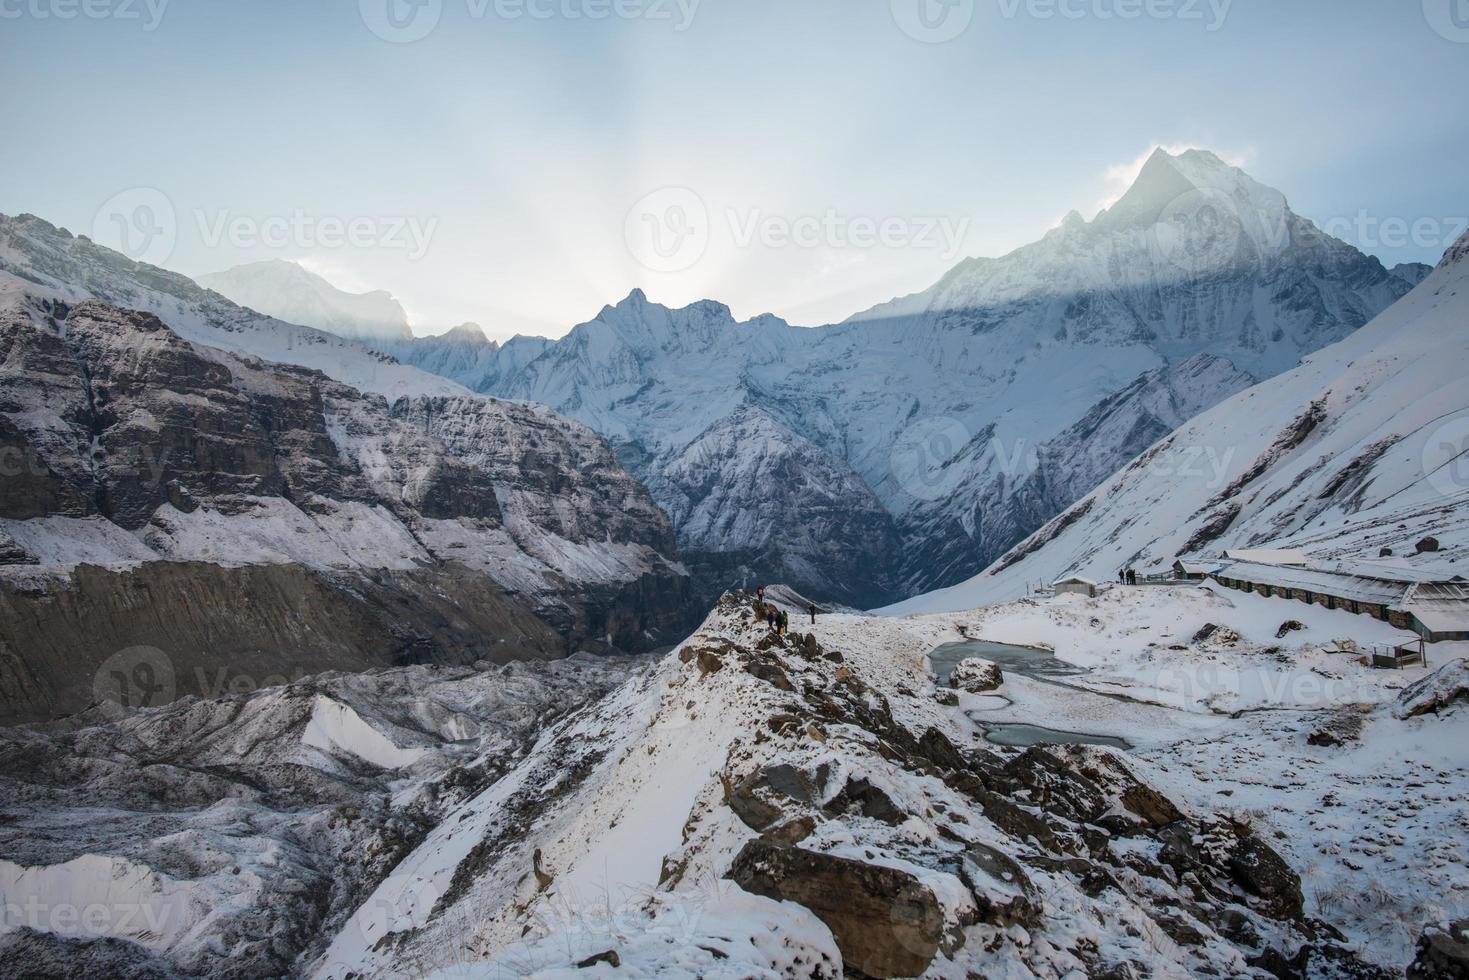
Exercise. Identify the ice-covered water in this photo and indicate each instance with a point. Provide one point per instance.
(1036, 663)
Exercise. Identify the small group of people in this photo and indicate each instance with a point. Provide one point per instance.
(779, 620)
(1128, 576)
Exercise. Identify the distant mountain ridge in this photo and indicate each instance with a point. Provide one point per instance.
(1357, 452)
(166, 468)
(290, 292)
(941, 407)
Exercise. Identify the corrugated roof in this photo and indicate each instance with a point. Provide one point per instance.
(1393, 571)
(1198, 567)
(1441, 617)
(1353, 587)
(1442, 607)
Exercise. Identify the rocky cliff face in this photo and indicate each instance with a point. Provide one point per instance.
(130, 447)
(1012, 352)
(752, 500)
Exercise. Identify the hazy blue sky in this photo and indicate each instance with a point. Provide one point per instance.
(492, 169)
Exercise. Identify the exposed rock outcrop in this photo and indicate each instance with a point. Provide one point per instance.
(886, 923)
(432, 528)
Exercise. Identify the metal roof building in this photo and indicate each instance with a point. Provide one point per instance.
(1437, 610)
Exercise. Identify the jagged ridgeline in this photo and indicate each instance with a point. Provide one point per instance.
(224, 521)
(913, 445)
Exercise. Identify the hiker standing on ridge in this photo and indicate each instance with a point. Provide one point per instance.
(813, 614)
(785, 622)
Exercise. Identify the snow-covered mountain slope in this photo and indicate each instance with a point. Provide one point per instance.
(232, 836)
(749, 495)
(753, 806)
(1001, 498)
(465, 352)
(74, 268)
(287, 291)
(921, 396)
(1363, 447)
(362, 524)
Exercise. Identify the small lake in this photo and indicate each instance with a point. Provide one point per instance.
(1022, 736)
(1032, 662)
(1029, 661)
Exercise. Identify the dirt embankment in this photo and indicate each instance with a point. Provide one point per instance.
(165, 630)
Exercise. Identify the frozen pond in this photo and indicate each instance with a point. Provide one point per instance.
(1038, 664)
(1030, 661)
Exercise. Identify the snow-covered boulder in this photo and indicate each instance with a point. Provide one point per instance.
(976, 676)
(1443, 951)
(1438, 690)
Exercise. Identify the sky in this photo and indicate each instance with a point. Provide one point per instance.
(522, 163)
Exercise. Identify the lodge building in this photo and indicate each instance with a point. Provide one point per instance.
(1434, 607)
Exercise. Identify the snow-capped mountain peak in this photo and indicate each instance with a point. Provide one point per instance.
(1355, 451)
(291, 292)
(470, 333)
(920, 397)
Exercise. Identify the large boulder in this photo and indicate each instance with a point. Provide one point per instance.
(1448, 684)
(1443, 953)
(976, 676)
(885, 922)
